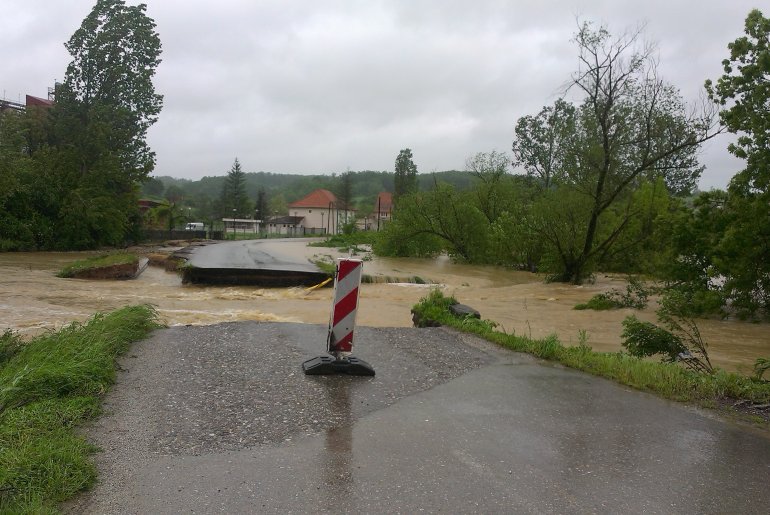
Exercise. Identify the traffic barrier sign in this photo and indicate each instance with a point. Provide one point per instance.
(339, 341)
(342, 322)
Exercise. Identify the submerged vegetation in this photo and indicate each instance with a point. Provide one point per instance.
(48, 386)
(345, 241)
(328, 266)
(634, 297)
(668, 379)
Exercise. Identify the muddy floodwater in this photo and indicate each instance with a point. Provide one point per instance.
(33, 300)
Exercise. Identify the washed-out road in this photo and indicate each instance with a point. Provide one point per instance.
(221, 419)
(256, 262)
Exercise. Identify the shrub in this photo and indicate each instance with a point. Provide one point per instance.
(634, 297)
(600, 302)
(434, 307)
(644, 339)
(761, 366)
(678, 340)
(677, 313)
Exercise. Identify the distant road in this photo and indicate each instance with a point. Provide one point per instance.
(261, 262)
(220, 419)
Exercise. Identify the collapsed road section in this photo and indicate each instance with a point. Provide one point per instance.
(250, 262)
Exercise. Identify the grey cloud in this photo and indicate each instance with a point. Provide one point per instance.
(310, 87)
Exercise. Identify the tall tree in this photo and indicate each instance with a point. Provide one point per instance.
(743, 92)
(630, 127)
(108, 86)
(405, 179)
(234, 200)
(104, 107)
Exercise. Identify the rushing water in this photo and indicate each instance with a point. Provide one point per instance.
(33, 300)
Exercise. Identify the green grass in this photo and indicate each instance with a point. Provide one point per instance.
(327, 267)
(103, 261)
(668, 380)
(250, 236)
(343, 242)
(48, 386)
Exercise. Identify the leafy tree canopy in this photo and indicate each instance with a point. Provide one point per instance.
(405, 180)
(629, 128)
(743, 91)
(75, 177)
(108, 87)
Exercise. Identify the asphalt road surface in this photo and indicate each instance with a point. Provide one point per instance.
(255, 262)
(249, 254)
(221, 419)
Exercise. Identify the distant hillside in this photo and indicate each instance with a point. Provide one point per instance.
(201, 199)
(293, 187)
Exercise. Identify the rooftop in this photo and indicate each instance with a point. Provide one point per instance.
(317, 198)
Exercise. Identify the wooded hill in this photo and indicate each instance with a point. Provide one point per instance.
(291, 187)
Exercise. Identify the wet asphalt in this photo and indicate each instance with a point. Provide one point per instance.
(221, 419)
(249, 262)
(248, 254)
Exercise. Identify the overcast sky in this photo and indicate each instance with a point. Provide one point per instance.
(321, 87)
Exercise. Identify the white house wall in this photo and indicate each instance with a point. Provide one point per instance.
(318, 217)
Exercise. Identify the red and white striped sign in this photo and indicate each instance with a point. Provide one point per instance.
(343, 319)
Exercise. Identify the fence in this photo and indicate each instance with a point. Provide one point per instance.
(157, 235)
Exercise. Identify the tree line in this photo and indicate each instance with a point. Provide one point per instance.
(604, 179)
(266, 194)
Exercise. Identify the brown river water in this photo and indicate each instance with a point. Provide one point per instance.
(33, 300)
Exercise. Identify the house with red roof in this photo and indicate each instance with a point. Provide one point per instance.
(31, 102)
(39, 102)
(320, 213)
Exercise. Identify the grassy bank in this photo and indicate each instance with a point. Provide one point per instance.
(669, 380)
(98, 262)
(48, 386)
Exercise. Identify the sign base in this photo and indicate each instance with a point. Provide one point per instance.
(326, 365)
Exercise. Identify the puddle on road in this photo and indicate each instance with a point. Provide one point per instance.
(33, 300)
